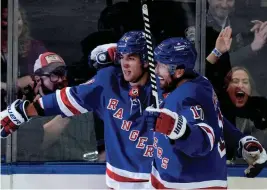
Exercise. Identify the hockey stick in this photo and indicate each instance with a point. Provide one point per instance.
(150, 54)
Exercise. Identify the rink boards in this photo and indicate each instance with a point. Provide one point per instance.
(92, 176)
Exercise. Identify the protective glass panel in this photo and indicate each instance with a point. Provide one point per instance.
(72, 29)
(4, 55)
(63, 28)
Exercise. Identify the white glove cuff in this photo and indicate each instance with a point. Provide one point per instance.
(14, 115)
(179, 127)
(249, 156)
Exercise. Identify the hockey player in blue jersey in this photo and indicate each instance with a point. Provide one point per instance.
(119, 96)
(188, 140)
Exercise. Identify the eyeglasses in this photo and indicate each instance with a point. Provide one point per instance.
(57, 74)
(53, 78)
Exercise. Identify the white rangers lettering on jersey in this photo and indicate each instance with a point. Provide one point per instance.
(133, 135)
(112, 105)
(126, 125)
(140, 144)
(155, 143)
(165, 162)
(159, 152)
(118, 114)
(149, 151)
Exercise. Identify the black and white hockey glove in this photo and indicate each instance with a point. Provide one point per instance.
(254, 154)
(103, 55)
(167, 122)
(13, 117)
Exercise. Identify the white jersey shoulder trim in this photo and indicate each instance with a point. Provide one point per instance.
(210, 133)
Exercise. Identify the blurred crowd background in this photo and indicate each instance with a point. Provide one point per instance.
(72, 29)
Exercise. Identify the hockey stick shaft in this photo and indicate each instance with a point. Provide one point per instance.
(150, 54)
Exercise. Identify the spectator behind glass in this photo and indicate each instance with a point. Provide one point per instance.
(242, 106)
(248, 41)
(55, 138)
(219, 12)
(49, 75)
(28, 50)
(239, 97)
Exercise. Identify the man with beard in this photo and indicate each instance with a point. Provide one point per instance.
(55, 138)
(218, 13)
(188, 139)
(49, 73)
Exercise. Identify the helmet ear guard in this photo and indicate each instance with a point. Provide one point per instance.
(174, 67)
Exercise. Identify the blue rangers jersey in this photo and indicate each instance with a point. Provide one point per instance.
(198, 161)
(129, 146)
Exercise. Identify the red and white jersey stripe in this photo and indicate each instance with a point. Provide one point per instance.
(209, 131)
(121, 179)
(67, 103)
(158, 183)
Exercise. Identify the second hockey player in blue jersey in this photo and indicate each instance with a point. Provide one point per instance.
(188, 141)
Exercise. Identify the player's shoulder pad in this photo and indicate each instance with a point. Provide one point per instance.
(196, 90)
(184, 91)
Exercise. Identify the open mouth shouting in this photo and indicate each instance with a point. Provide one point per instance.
(240, 95)
(126, 73)
(240, 98)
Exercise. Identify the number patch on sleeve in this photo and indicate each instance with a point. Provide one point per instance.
(198, 112)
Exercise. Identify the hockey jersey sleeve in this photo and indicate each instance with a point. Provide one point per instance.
(75, 100)
(232, 135)
(201, 139)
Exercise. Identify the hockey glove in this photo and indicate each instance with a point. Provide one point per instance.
(13, 117)
(151, 118)
(168, 122)
(103, 55)
(254, 154)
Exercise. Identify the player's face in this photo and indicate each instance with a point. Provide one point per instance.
(132, 67)
(239, 88)
(163, 74)
(221, 8)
